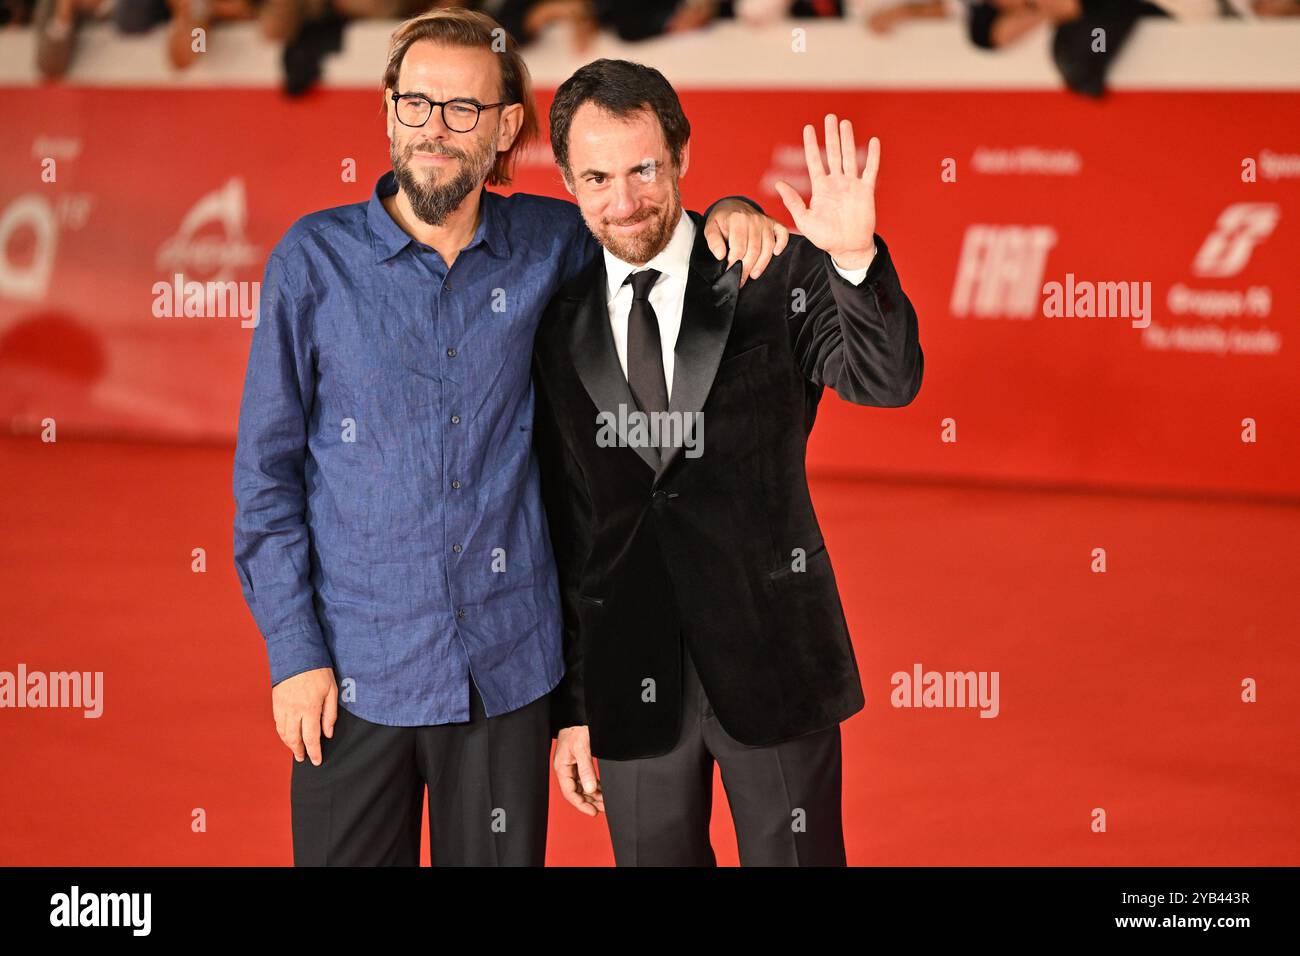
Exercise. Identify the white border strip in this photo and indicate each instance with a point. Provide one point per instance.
(1160, 54)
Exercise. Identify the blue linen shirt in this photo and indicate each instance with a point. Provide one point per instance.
(388, 514)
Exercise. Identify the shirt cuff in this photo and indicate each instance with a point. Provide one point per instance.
(856, 276)
(295, 651)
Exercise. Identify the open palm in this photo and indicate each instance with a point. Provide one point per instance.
(841, 216)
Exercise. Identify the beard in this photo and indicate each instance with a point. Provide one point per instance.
(436, 194)
(650, 241)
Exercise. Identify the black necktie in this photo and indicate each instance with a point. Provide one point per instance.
(645, 357)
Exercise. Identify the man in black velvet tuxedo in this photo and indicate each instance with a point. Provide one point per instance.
(702, 620)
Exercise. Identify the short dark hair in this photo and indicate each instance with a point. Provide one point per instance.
(622, 88)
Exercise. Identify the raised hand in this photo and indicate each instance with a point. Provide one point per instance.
(841, 216)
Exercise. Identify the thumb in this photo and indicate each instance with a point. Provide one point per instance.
(586, 772)
(792, 200)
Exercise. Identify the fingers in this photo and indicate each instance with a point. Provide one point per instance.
(850, 150)
(767, 237)
(311, 735)
(569, 790)
(873, 162)
(292, 737)
(569, 769)
(812, 155)
(713, 236)
(331, 710)
(587, 773)
(792, 201)
(735, 239)
(754, 230)
(834, 158)
(782, 238)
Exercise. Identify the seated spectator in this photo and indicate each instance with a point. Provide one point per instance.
(140, 16)
(56, 23)
(15, 13)
(190, 15)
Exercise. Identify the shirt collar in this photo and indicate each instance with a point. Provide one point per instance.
(673, 259)
(387, 238)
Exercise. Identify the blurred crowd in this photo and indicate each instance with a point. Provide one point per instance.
(1081, 60)
(309, 30)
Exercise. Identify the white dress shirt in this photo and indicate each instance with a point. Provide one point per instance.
(668, 294)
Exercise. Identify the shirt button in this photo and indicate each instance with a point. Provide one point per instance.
(460, 613)
(455, 419)
(457, 548)
(451, 352)
(455, 482)
(446, 286)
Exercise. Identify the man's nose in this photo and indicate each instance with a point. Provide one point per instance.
(624, 200)
(438, 122)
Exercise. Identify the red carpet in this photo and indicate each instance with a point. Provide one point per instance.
(1119, 691)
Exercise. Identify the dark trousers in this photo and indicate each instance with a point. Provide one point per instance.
(785, 798)
(488, 783)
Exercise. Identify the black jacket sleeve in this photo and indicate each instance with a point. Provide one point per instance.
(861, 340)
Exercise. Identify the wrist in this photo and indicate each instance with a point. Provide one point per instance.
(854, 258)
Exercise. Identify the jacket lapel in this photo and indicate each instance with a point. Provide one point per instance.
(591, 343)
(707, 312)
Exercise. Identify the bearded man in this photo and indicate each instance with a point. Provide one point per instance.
(389, 533)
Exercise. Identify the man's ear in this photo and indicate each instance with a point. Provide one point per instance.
(568, 183)
(686, 159)
(390, 115)
(512, 118)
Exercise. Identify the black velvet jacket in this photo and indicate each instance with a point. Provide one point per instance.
(703, 547)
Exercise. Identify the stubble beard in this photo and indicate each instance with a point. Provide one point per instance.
(641, 248)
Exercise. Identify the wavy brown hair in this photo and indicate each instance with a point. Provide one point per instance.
(455, 26)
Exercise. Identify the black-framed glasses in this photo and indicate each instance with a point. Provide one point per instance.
(459, 116)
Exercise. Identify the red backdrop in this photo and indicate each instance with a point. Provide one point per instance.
(1142, 187)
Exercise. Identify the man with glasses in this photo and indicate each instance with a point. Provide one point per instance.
(389, 535)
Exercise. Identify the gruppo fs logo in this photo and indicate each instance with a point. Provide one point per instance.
(1241, 227)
